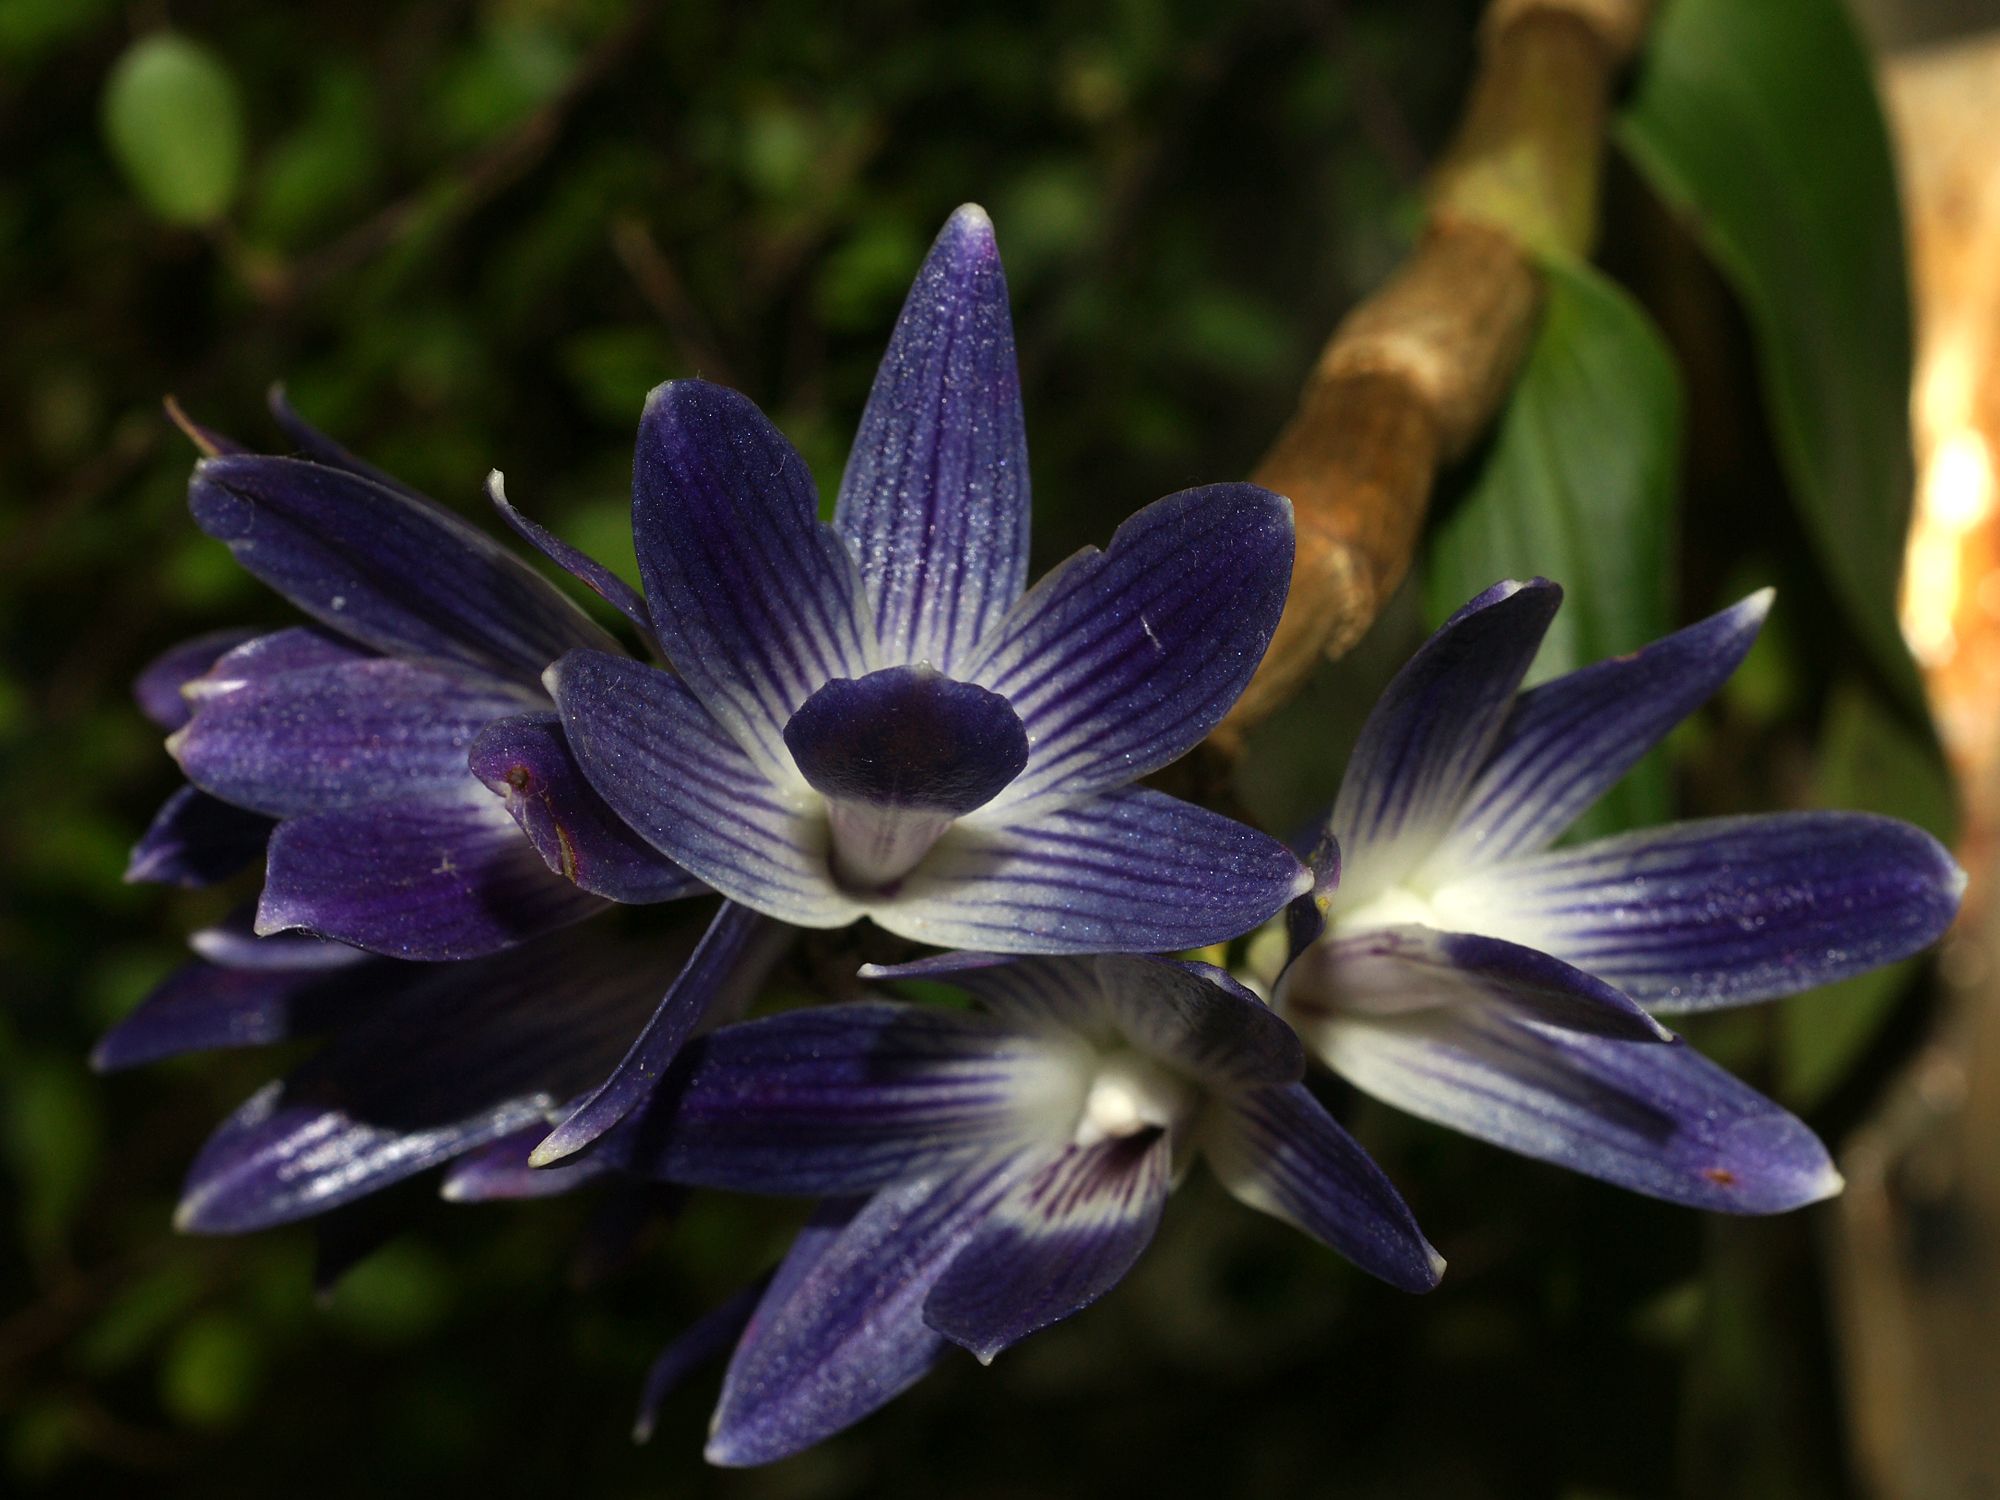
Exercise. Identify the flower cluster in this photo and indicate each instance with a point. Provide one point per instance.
(453, 768)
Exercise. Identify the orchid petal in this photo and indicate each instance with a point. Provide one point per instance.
(934, 503)
(159, 683)
(196, 840)
(204, 1007)
(579, 564)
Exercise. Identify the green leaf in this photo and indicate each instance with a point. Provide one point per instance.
(1579, 487)
(1870, 760)
(1759, 123)
(175, 124)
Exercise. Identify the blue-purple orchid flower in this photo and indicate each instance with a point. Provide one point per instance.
(989, 1172)
(1452, 963)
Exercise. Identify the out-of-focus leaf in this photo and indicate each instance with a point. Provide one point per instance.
(210, 1373)
(1579, 487)
(322, 169)
(1869, 760)
(175, 124)
(1760, 124)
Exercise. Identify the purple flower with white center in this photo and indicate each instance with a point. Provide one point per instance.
(989, 1172)
(1452, 963)
(872, 719)
(346, 742)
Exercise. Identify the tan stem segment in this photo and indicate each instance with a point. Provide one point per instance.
(1414, 374)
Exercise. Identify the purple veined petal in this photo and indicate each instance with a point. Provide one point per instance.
(899, 755)
(158, 686)
(849, 1098)
(386, 569)
(1393, 970)
(500, 1171)
(755, 601)
(316, 445)
(528, 764)
(1061, 1239)
(1129, 871)
(579, 564)
(837, 1341)
(203, 1007)
(934, 503)
(1722, 911)
(442, 879)
(1430, 732)
(733, 959)
(1660, 1120)
(1280, 1152)
(196, 840)
(464, 1055)
(1121, 661)
(336, 737)
(666, 767)
(1567, 742)
(707, 1338)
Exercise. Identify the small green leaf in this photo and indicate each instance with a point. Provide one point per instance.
(175, 124)
(1760, 124)
(1579, 487)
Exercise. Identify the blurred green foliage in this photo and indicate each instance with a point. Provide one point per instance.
(471, 234)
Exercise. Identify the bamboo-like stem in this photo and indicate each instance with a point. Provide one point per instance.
(1414, 373)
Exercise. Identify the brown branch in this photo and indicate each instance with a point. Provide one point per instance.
(1415, 373)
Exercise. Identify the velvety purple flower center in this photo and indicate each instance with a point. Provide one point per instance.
(898, 754)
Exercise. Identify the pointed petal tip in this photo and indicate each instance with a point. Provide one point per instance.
(970, 225)
(555, 1147)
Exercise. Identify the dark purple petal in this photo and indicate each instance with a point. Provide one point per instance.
(845, 1333)
(1721, 911)
(196, 840)
(1063, 1238)
(1279, 1151)
(338, 737)
(1430, 732)
(301, 648)
(1568, 741)
(158, 685)
(910, 737)
(385, 568)
(528, 763)
(1121, 661)
(732, 960)
(1391, 970)
(321, 449)
(1661, 1120)
(202, 1007)
(707, 1338)
(845, 1099)
(501, 1171)
(465, 1055)
(934, 502)
(668, 769)
(1133, 871)
(234, 944)
(425, 880)
(579, 564)
(755, 601)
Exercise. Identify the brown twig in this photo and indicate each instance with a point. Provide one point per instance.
(1414, 374)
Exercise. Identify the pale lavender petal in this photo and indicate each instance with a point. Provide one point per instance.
(158, 685)
(1391, 970)
(934, 503)
(196, 840)
(1567, 742)
(426, 880)
(1661, 1120)
(385, 568)
(755, 601)
(845, 1099)
(1060, 1240)
(670, 771)
(1430, 732)
(528, 764)
(1121, 661)
(1129, 871)
(579, 564)
(836, 1341)
(234, 944)
(1722, 911)
(721, 978)
(339, 737)
(1279, 1151)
